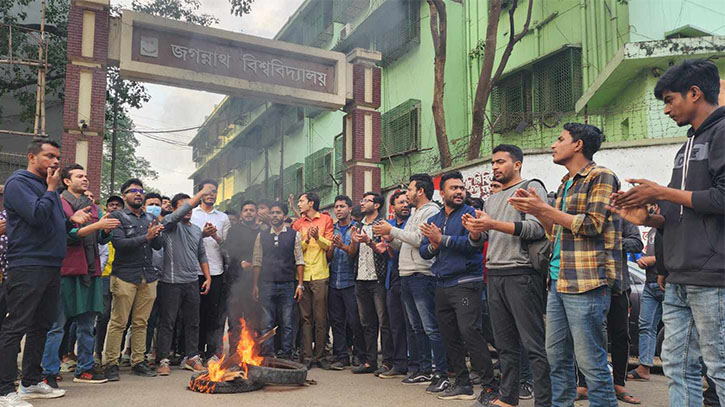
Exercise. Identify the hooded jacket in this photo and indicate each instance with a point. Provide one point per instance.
(36, 225)
(408, 240)
(694, 238)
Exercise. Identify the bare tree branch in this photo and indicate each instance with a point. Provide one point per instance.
(513, 38)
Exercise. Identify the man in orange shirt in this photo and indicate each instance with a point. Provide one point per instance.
(316, 230)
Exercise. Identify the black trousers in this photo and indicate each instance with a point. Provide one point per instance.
(171, 298)
(398, 320)
(342, 314)
(458, 310)
(373, 311)
(618, 333)
(32, 295)
(517, 318)
(211, 325)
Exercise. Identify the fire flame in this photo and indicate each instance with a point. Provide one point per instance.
(246, 354)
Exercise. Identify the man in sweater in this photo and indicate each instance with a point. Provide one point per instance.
(515, 288)
(184, 258)
(692, 222)
(585, 263)
(457, 268)
(278, 267)
(37, 229)
(418, 286)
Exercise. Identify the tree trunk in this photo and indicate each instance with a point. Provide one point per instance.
(438, 27)
(487, 78)
(483, 89)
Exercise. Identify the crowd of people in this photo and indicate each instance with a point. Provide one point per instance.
(156, 282)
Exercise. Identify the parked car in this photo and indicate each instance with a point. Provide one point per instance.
(637, 279)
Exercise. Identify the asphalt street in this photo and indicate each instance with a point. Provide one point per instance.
(333, 389)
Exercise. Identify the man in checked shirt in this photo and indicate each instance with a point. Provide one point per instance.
(585, 263)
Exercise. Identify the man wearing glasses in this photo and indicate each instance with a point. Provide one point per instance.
(133, 281)
(279, 262)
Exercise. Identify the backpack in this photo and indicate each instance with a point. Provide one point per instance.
(539, 250)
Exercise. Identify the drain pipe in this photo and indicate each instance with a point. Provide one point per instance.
(585, 42)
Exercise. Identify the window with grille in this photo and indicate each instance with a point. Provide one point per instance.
(318, 167)
(511, 101)
(402, 35)
(293, 180)
(401, 129)
(557, 82)
(339, 162)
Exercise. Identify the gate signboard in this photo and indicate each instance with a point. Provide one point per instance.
(159, 50)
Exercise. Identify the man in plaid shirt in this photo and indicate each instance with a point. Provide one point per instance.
(585, 263)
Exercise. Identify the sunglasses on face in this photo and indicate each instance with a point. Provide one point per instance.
(134, 191)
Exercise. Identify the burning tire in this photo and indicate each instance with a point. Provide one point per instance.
(204, 385)
(278, 371)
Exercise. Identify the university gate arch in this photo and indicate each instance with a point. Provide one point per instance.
(169, 52)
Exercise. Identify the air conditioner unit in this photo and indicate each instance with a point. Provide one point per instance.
(345, 31)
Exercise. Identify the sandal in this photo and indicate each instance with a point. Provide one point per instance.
(623, 397)
(634, 375)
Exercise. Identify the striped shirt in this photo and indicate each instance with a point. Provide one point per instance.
(591, 252)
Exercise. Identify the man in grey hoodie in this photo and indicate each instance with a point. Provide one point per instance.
(515, 288)
(418, 286)
(184, 258)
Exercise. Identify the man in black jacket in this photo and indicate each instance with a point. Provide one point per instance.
(133, 280)
(692, 222)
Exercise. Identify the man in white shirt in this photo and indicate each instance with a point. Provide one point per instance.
(215, 225)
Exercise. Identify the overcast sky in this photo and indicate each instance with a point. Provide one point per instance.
(174, 108)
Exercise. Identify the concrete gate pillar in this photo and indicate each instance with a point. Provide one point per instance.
(85, 87)
(362, 125)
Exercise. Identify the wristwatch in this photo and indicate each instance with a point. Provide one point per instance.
(301, 287)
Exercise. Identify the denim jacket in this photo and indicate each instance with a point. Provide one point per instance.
(342, 273)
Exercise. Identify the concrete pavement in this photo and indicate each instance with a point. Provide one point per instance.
(333, 389)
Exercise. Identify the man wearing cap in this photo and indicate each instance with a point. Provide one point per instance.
(107, 253)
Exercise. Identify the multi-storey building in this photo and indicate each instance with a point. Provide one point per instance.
(582, 60)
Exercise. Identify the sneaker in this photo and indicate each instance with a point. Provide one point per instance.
(143, 369)
(418, 378)
(526, 391)
(393, 373)
(382, 369)
(214, 359)
(111, 373)
(125, 360)
(458, 392)
(40, 391)
(194, 364)
(91, 376)
(51, 380)
(340, 365)
(475, 378)
(324, 364)
(13, 400)
(364, 369)
(355, 361)
(438, 384)
(487, 396)
(164, 369)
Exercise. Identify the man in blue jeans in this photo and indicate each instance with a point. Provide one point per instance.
(341, 301)
(278, 267)
(81, 288)
(585, 263)
(692, 223)
(650, 308)
(417, 288)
